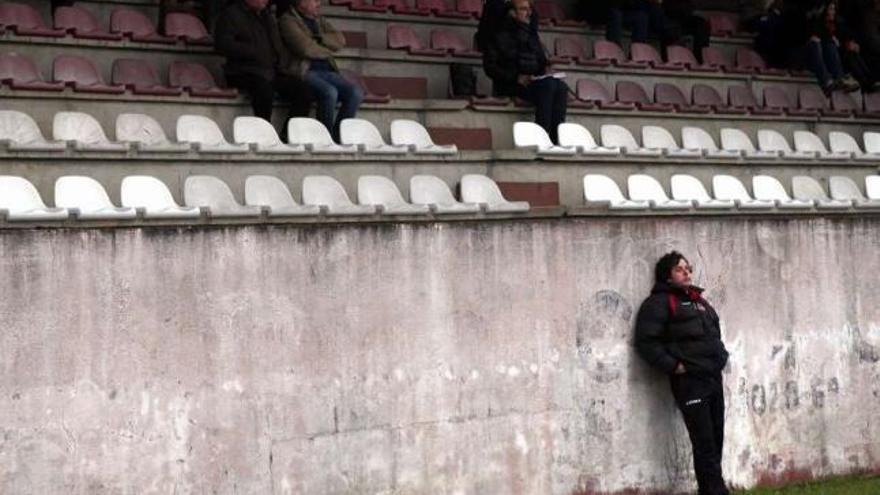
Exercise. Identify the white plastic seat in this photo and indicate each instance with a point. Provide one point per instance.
(259, 133)
(363, 134)
(23, 203)
(646, 188)
(872, 186)
(476, 188)
(88, 197)
(843, 142)
(206, 135)
(270, 192)
(432, 191)
(808, 142)
(84, 131)
(529, 135)
(872, 142)
(151, 194)
(728, 187)
(698, 138)
(737, 140)
(413, 135)
(769, 188)
(314, 136)
(657, 137)
(602, 189)
(383, 193)
(615, 136)
(844, 188)
(23, 133)
(146, 134)
(579, 137)
(325, 191)
(688, 188)
(210, 192)
(772, 140)
(808, 189)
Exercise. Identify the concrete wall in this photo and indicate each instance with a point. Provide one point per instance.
(454, 358)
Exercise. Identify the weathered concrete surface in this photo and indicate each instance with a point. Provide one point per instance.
(469, 358)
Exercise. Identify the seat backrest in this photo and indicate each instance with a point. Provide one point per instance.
(76, 19)
(643, 187)
(527, 134)
(434, 5)
(570, 47)
(688, 187)
(608, 50)
(473, 7)
(18, 68)
(714, 57)
(20, 15)
(703, 94)
(75, 69)
(843, 101)
(872, 141)
(598, 187)
(842, 141)
(767, 187)
(872, 186)
(190, 75)
(403, 37)
(133, 72)
(304, 130)
(697, 138)
(378, 190)
(139, 128)
(572, 134)
(736, 139)
(614, 135)
(777, 97)
(444, 39)
(772, 140)
(590, 90)
(207, 190)
(741, 96)
(145, 191)
(129, 21)
(77, 191)
(324, 190)
(359, 131)
(806, 187)
(247, 129)
(77, 126)
(428, 189)
(183, 25)
(476, 188)
(677, 54)
(631, 92)
(746, 58)
(410, 132)
(807, 141)
(267, 190)
(548, 9)
(199, 129)
(721, 25)
(19, 127)
(842, 187)
(18, 194)
(657, 137)
(811, 98)
(643, 52)
(871, 101)
(729, 187)
(670, 94)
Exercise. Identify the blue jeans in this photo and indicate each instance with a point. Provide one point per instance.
(330, 88)
(824, 61)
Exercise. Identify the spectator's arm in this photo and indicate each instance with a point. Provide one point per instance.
(226, 42)
(333, 39)
(650, 325)
(299, 41)
(493, 68)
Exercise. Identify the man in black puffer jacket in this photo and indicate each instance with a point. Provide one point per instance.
(677, 332)
(515, 61)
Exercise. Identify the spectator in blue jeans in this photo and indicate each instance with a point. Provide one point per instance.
(831, 50)
(312, 41)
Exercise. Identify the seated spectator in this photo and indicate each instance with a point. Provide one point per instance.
(680, 20)
(247, 35)
(863, 19)
(765, 19)
(668, 20)
(492, 17)
(517, 64)
(829, 42)
(313, 41)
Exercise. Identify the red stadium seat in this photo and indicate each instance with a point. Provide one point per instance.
(355, 39)
(363, 6)
(197, 80)
(404, 37)
(187, 27)
(140, 77)
(440, 9)
(872, 104)
(595, 92)
(722, 25)
(748, 60)
(553, 12)
(633, 92)
(572, 50)
(82, 24)
(742, 97)
(448, 41)
(705, 95)
(670, 94)
(401, 7)
(645, 53)
(609, 51)
(471, 7)
(844, 102)
(82, 75)
(713, 57)
(369, 96)
(777, 97)
(136, 26)
(683, 55)
(812, 98)
(24, 20)
(19, 72)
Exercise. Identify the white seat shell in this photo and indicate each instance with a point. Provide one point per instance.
(23, 133)
(383, 193)
(273, 194)
(646, 188)
(699, 138)
(808, 142)
(580, 138)
(88, 197)
(658, 137)
(616, 136)
(145, 134)
(843, 142)
(806, 188)
(314, 136)
(531, 136)
(206, 135)
(151, 194)
(84, 131)
(261, 135)
(363, 134)
(772, 141)
(600, 188)
(737, 140)
(207, 191)
(769, 188)
(872, 186)
(728, 187)
(844, 188)
(480, 189)
(688, 188)
(327, 192)
(23, 203)
(413, 135)
(432, 191)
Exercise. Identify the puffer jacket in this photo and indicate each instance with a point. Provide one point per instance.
(515, 50)
(249, 41)
(672, 326)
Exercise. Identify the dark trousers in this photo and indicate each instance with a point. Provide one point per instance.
(262, 94)
(701, 402)
(856, 66)
(550, 97)
(824, 60)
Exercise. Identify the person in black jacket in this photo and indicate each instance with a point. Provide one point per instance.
(677, 332)
(247, 35)
(832, 49)
(515, 61)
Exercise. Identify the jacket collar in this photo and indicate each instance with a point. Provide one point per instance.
(666, 287)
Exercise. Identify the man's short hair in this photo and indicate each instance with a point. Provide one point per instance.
(664, 266)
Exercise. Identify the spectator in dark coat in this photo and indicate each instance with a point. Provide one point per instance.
(515, 61)
(830, 46)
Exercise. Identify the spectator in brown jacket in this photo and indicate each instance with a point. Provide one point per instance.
(312, 41)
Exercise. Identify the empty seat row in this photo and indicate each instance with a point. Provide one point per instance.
(696, 143)
(87, 198)
(688, 192)
(249, 134)
(463, 9)
(443, 42)
(125, 23)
